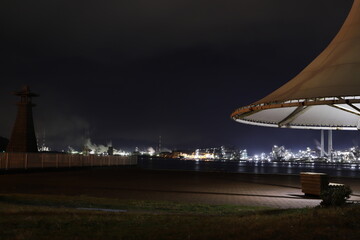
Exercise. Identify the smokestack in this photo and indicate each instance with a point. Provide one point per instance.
(159, 144)
(322, 151)
(330, 145)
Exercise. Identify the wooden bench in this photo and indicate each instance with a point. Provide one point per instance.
(313, 183)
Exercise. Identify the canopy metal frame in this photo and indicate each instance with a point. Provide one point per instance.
(325, 95)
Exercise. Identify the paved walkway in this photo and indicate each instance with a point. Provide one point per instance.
(280, 191)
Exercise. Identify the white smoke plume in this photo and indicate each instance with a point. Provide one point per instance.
(166, 150)
(151, 150)
(101, 149)
(96, 149)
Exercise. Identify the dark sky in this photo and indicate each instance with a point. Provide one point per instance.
(129, 71)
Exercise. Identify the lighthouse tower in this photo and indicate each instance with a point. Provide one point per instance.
(23, 137)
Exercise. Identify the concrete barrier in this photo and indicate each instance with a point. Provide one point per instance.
(313, 183)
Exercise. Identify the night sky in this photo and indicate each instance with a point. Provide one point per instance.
(129, 71)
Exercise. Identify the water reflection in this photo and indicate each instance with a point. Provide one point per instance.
(341, 170)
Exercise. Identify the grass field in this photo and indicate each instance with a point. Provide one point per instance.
(58, 217)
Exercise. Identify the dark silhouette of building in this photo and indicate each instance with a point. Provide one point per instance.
(23, 137)
(3, 144)
(110, 151)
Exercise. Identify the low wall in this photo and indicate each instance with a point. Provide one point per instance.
(53, 160)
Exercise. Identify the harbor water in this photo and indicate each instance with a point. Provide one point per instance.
(288, 168)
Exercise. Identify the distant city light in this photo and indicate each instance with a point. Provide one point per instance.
(277, 154)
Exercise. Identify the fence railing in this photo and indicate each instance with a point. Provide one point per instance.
(54, 160)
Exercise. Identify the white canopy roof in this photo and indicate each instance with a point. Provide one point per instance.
(325, 95)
